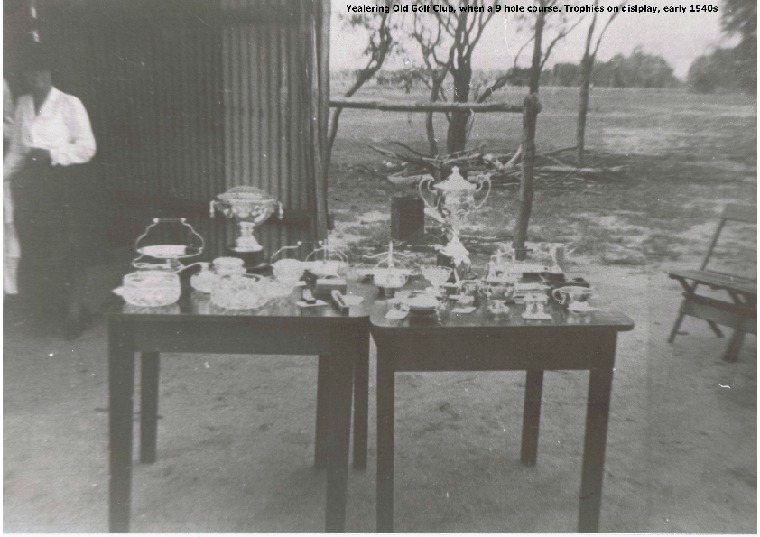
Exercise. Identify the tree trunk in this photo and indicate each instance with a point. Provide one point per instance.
(456, 138)
(586, 64)
(435, 90)
(532, 107)
(430, 131)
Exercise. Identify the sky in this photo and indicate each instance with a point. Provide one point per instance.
(677, 37)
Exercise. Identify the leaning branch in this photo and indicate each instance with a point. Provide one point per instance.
(601, 34)
(560, 36)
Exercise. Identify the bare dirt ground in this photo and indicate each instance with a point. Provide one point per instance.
(236, 434)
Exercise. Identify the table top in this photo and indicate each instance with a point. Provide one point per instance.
(718, 280)
(602, 317)
(196, 305)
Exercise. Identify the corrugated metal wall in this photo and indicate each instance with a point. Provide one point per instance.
(263, 67)
(188, 100)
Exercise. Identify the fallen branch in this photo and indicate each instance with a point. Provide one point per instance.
(517, 157)
(398, 178)
(559, 151)
(370, 170)
(572, 169)
(409, 149)
(556, 160)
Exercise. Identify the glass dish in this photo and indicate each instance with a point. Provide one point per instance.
(288, 271)
(391, 278)
(246, 291)
(150, 289)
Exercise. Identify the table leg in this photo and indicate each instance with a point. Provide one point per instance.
(340, 386)
(320, 436)
(121, 386)
(595, 445)
(385, 441)
(534, 380)
(361, 404)
(734, 346)
(149, 374)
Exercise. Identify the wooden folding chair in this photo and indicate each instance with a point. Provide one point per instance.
(739, 310)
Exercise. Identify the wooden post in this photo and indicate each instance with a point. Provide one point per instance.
(525, 194)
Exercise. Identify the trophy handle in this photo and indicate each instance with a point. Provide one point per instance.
(487, 181)
(422, 190)
(260, 218)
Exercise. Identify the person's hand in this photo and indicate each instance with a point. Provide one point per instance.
(37, 155)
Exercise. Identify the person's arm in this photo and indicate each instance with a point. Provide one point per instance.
(17, 151)
(81, 147)
(8, 112)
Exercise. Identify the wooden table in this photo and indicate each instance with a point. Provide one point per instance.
(482, 342)
(195, 326)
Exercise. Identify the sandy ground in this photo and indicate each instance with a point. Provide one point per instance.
(236, 438)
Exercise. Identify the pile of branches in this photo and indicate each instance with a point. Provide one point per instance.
(408, 166)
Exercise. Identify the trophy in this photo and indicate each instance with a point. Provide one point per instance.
(249, 207)
(453, 200)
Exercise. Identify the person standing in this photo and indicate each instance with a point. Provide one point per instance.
(52, 187)
(11, 250)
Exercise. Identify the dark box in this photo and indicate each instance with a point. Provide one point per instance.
(408, 218)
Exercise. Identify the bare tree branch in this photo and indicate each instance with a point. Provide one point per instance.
(497, 85)
(609, 21)
(482, 26)
(520, 51)
(560, 36)
(379, 47)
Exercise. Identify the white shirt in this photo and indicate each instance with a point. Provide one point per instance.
(62, 127)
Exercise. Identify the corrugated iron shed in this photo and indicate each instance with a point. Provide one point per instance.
(188, 98)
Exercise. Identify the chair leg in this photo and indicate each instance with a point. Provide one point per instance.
(734, 346)
(676, 326)
(714, 328)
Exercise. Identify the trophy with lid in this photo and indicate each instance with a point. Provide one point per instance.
(452, 201)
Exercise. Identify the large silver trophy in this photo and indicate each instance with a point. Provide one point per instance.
(249, 207)
(451, 202)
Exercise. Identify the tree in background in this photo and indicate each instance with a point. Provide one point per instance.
(639, 70)
(381, 43)
(740, 18)
(447, 42)
(715, 71)
(586, 68)
(730, 69)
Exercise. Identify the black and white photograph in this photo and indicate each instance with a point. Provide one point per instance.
(374, 266)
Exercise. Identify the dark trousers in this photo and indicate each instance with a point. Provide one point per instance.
(59, 218)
